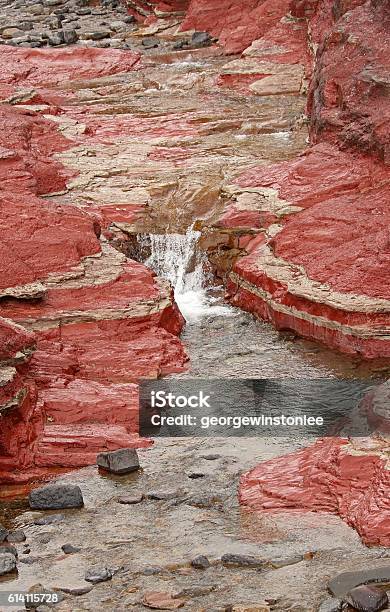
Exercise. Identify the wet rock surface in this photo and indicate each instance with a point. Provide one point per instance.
(54, 496)
(122, 461)
(119, 142)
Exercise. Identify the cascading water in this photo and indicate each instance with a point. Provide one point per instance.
(177, 258)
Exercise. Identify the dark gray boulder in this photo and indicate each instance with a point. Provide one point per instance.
(122, 461)
(56, 497)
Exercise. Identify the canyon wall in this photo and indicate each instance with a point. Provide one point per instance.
(323, 270)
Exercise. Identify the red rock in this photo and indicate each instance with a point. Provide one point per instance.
(325, 273)
(42, 67)
(325, 477)
(234, 24)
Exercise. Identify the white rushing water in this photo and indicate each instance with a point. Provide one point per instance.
(177, 258)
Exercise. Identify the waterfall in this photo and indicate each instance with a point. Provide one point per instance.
(177, 258)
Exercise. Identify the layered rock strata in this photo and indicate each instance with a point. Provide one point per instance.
(321, 267)
(81, 322)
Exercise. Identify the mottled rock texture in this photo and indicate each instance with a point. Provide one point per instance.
(323, 270)
(331, 476)
(80, 322)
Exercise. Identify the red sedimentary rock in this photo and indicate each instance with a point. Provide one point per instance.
(331, 476)
(325, 273)
(91, 322)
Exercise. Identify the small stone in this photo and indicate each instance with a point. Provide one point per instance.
(211, 457)
(162, 601)
(26, 26)
(83, 11)
(77, 590)
(8, 549)
(3, 533)
(331, 605)
(26, 551)
(55, 39)
(12, 33)
(201, 39)
(130, 499)
(204, 501)
(7, 563)
(96, 35)
(69, 549)
(122, 461)
(152, 570)
(367, 598)
(196, 475)
(98, 574)
(117, 26)
(16, 536)
(35, 9)
(56, 497)
(150, 42)
(70, 37)
(279, 562)
(52, 2)
(129, 19)
(234, 560)
(161, 495)
(200, 562)
(50, 519)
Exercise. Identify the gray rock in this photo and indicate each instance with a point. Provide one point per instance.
(196, 475)
(56, 496)
(367, 598)
(83, 11)
(98, 574)
(331, 605)
(50, 519)
(234, 560)
(211, 457)
(284, 561)
(341, 584)
(130, 499)
(3, 533)
(8, 33)
(150, 43)
(117, 26)
(204, 501)
(200, 562)
(6, 548)
(16, 536)
(7, 564)
(162, 495)
(35, 9)
(77, 591)
(129, 19)
(55, 39)
(70, 37)
(69, 549)
(152, 570)
(122, 461)
(98, 35)
(201, 39)
(26, 26)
